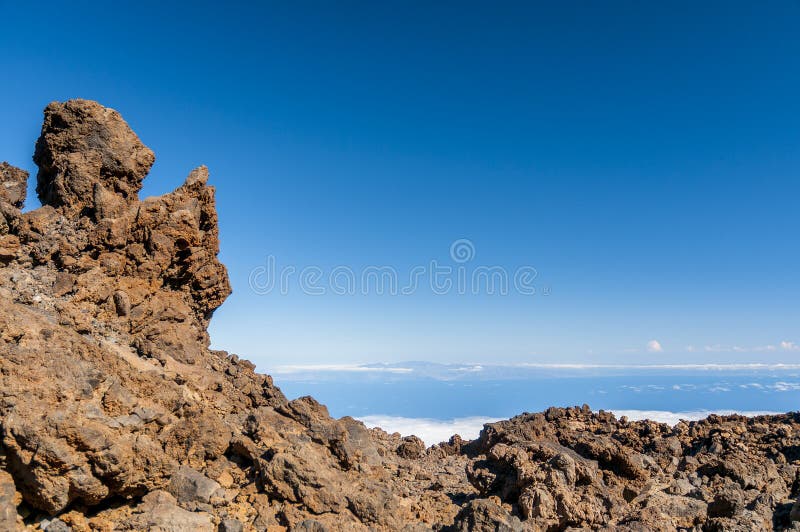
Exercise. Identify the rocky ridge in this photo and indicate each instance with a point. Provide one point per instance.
(116, 415)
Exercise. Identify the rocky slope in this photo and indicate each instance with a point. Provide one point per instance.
(115, 414)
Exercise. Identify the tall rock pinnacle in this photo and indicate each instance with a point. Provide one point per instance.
(83, 145)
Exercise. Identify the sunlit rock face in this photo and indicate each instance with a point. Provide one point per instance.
(84, 147)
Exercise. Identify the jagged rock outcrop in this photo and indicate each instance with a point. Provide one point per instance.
(573, 468)
(13, 185)
(113, 411)
(116, 415)
(87, 151)
(13, 189)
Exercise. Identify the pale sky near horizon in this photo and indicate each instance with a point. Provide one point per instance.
(642, 159)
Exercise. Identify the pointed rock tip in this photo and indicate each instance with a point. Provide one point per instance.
(13, 185)
(198, 176)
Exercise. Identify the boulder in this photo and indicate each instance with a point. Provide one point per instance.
(84, 144)
(9, 500)
(483, 515)
(158, 511)
(13, 185)
(191, 487)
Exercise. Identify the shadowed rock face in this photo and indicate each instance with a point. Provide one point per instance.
(114, 414)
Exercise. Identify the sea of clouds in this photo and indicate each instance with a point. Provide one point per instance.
(433, 431)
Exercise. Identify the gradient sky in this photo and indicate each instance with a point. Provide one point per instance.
(643, 157)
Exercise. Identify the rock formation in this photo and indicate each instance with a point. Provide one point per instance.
(116, 415)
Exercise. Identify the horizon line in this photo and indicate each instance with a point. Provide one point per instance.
(399, 368)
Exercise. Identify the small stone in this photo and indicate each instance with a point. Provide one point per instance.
(225, 479)
(63, 284)
(191, 486)
(57, 525)
(482, 515)
(9, 247)
(122, 303)
(412, 447)
(158, 511)
(230, 525)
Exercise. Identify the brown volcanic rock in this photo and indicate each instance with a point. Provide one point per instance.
(13, 189)
(113, 410)
(84, 146)
(13, 185)
(115, 414)
(574, 468)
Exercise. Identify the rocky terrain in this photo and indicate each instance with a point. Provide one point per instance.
(116, 415)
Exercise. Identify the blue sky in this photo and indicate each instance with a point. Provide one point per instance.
(643, 158)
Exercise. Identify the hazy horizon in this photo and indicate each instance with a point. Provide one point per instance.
(435, 400)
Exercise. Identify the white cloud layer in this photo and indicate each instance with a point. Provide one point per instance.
(345, 368)
(785, 345)
(433, 431)
(654, 346)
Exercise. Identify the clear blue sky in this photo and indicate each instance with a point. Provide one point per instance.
(644, 157)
